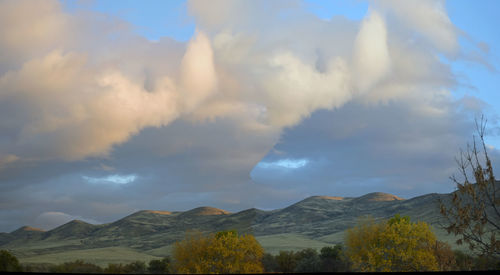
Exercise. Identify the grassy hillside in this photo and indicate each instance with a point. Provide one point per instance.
(315, 222)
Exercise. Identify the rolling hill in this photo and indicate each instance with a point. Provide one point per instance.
(148, 234)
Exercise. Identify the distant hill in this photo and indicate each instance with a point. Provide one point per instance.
(313, 222)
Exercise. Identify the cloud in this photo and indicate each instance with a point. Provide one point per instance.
(24, 39)
(193, 120)
(62, 109)
(198, 78)
(62, 106)
(427, 18)
(72, 101)
(371, 54)
(298, 89)
(397, 147)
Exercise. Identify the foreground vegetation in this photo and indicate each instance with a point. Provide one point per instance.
(329, 259)
(393, 245)
(474, 212)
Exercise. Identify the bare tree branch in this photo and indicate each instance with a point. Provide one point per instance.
(473, 212)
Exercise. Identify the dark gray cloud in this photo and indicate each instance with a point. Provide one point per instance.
(358, 149)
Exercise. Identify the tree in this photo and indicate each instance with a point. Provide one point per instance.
(137, 267)
(395, 245)
(331, 259)
(269, 263)
(159, 266)
(223, 252)
(115, 269)
(468, 262)
(77, 266)
(8, 262)
(308, 261)
(465, 262)
(287, 261)
(445, 257)
(473, 213)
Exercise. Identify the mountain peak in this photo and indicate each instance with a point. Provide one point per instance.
(73, 223)
(378, 196)
(205, 211)
(156, 212)
(28, 229)
(77, 222)
(74, 228)
(327, 198)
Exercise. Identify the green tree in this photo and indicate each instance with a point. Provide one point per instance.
(269, 263)
(287, 261)
(223, 252)
(307, 261)
(9, 262)
(473, 214)
(332, 259)
(395, 245)
(160, 266)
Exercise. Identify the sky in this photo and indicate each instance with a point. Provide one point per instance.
(110, 107)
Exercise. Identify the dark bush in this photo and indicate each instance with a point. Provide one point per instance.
(269, 263)
(307, 261)
(77, 266)
(136, 267)
(37, 267)
(332, 259)
(286, 261)
(9, 262)
(160, 266)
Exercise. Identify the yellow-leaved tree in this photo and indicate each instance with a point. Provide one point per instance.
(395, 245)
(223, 252)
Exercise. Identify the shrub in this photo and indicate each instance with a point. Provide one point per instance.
(9, 262)
(77, 266)
(159, 266)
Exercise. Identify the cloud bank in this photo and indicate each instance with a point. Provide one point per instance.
(83, 97)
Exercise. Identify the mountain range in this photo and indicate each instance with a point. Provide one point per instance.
(314, 222)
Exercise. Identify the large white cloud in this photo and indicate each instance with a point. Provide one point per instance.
(63, 105)
(371, 54)
(71, 100)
